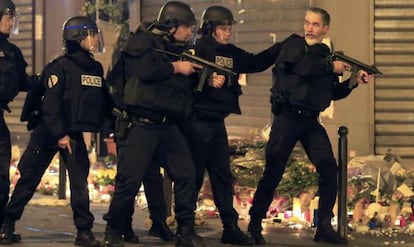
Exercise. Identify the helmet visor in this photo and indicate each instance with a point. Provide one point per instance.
(94, 41)
(193, 39)
(10, 23)
(15, 29)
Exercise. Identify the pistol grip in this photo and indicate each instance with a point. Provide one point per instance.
(203, 79)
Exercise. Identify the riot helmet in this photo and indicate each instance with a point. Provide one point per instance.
(173, 14)
(79, 28)
(213, 16)
(7, 7)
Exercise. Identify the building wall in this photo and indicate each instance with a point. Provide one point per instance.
(55, 14)
(394, 101)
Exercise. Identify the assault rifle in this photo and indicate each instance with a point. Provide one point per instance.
(208, 67)
(356, 65)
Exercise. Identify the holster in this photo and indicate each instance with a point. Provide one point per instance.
(277, 100)
(33, 120)
(121, 127)
(122, 123)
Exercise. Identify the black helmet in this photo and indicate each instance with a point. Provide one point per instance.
(173, 14)
(213, 16)
(7, 7)
(78, 28)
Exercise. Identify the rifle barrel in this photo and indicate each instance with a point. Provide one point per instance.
(369, 68)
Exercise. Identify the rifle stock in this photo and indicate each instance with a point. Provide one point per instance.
(356, 65)
(208, 66)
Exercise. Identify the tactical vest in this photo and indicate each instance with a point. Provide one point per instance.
(311, 92)
(85, 97)
(171, 97)
(9, 77)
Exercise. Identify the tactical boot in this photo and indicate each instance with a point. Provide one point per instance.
(255, 231)
(87, 239)
(112, 238)
(187, 237)
(233, 235)
(161, 230)
(130, 236)
(325, 233)
(257, 237)
(7, 235)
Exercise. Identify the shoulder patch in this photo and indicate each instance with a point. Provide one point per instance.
(52, 81)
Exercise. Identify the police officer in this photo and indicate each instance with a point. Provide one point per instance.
(206, 131)
(12, 80)
(154, 190)
(162, 97)
(305, 82)
(74, 102)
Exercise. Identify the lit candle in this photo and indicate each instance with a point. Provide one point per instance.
(297, 212)
(378, 185)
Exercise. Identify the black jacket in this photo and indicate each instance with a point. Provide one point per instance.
(12, 71)
(155, 91)
(75, 98)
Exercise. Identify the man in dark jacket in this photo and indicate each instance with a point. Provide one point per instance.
(305, 82)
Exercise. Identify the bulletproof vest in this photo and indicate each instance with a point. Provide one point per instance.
(218, 103)
(172, 97)
(85, 97)
(9, 77)
(314, 92)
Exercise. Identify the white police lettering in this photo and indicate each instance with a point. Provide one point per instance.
(91, 81)
(224, 61)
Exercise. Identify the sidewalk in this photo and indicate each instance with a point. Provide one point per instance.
(52, 225)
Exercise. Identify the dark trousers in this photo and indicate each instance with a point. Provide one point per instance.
(154, 192)
(136, 152)
(34, 162)
(209, 145)
(5, 157)
(287, 129)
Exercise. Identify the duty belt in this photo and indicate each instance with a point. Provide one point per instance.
(143, 120)
(298, 111)
(136, 119)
